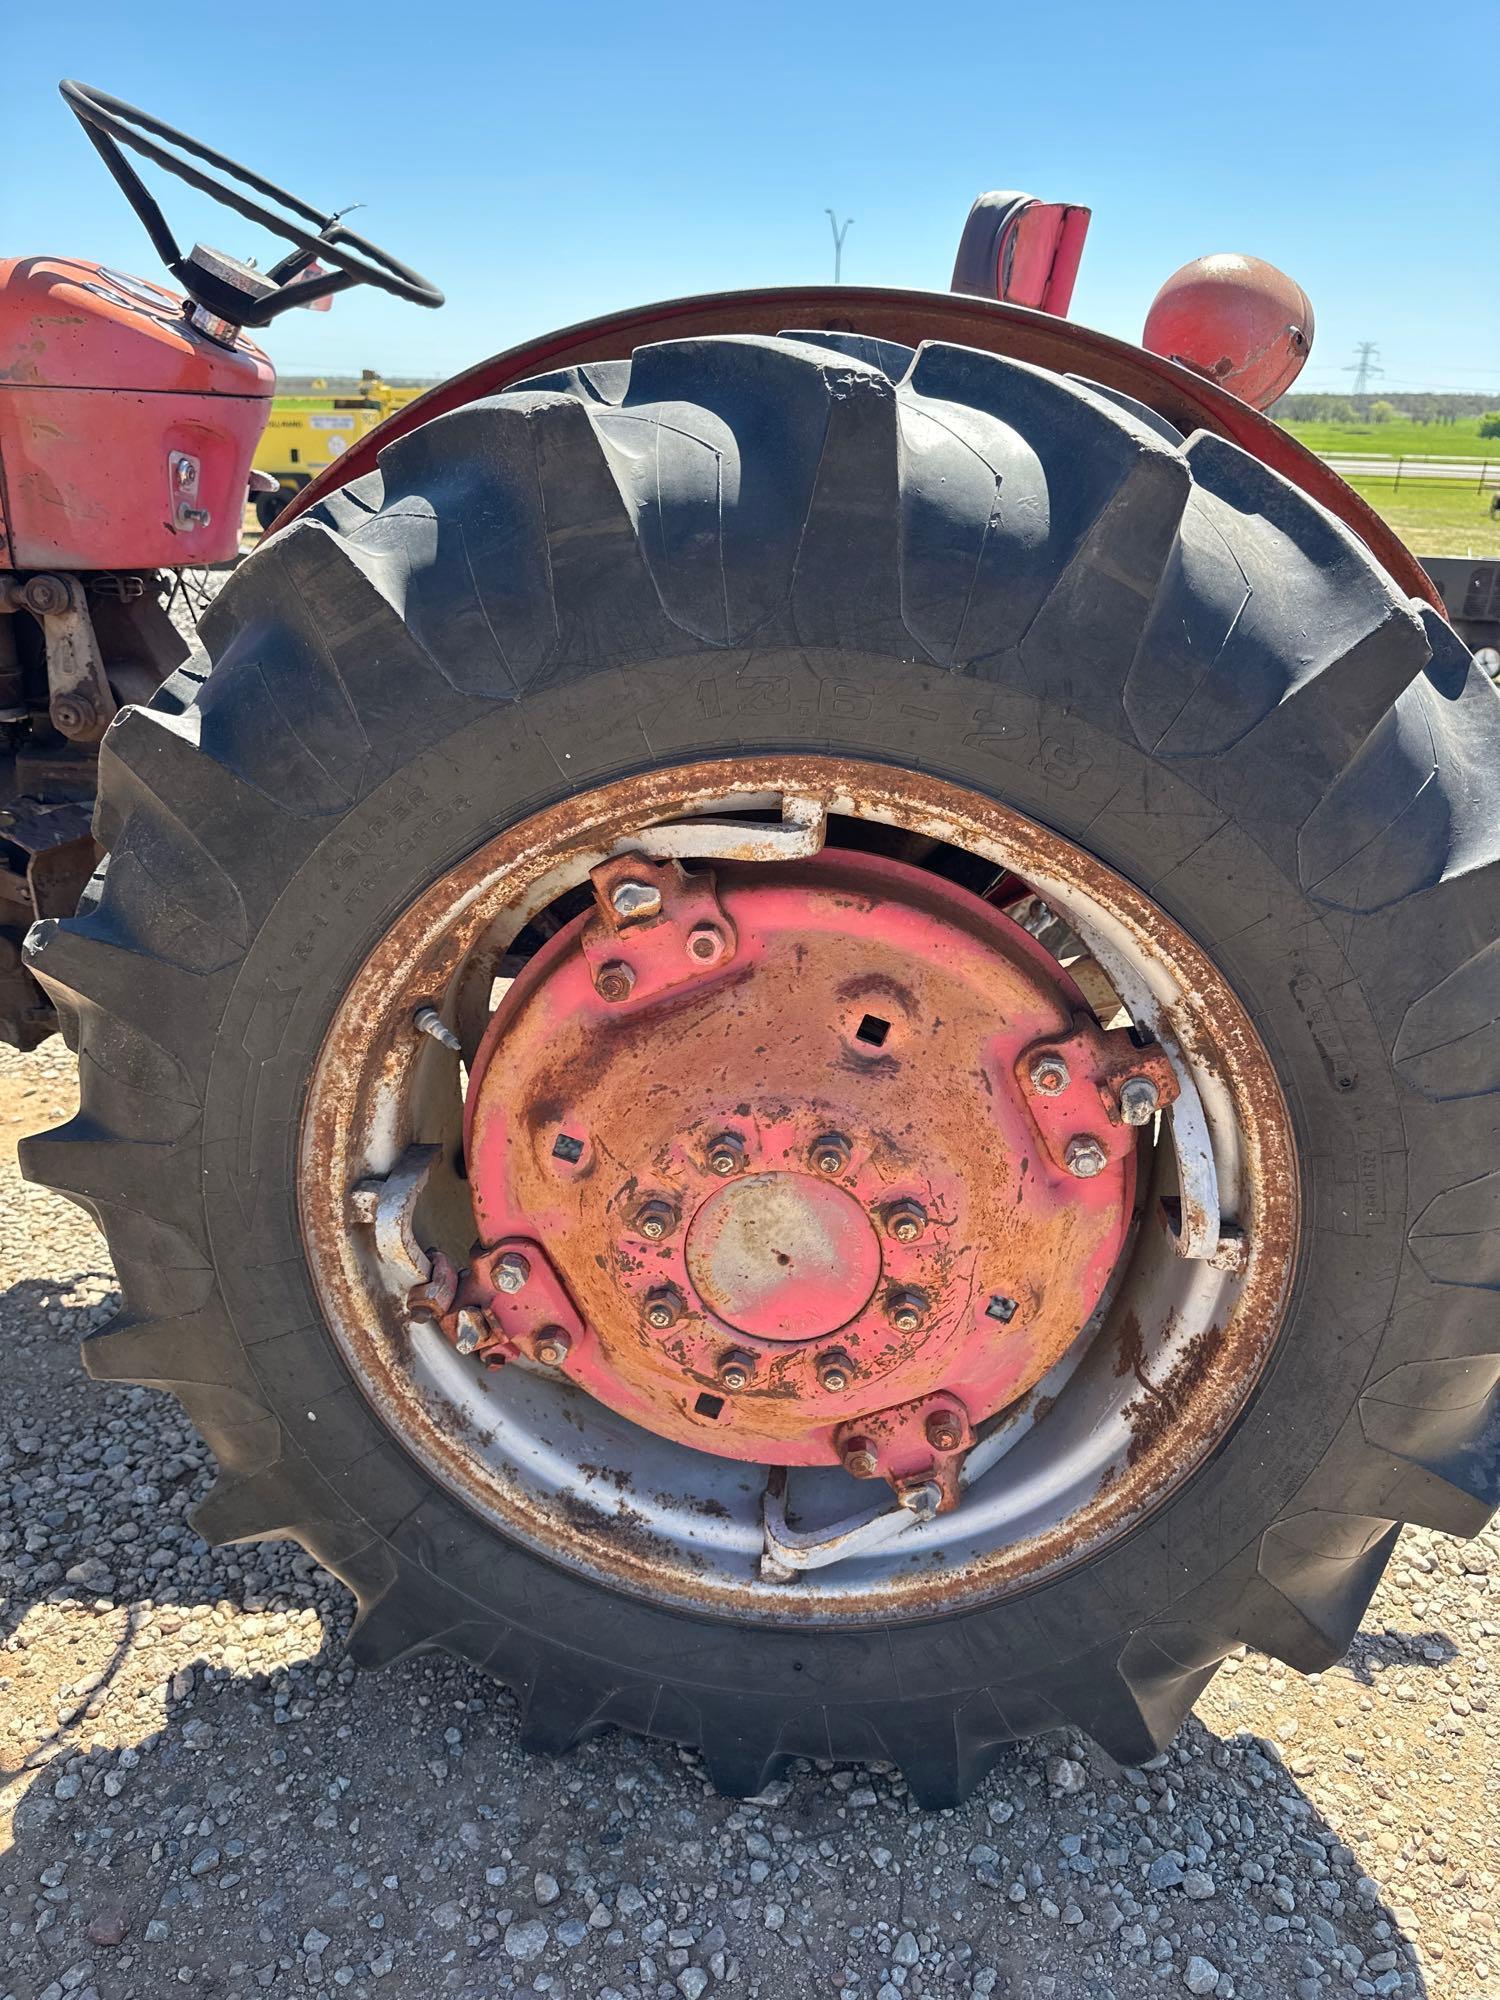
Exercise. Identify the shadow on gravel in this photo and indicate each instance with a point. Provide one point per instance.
(1374, 1653)
(208, 1796)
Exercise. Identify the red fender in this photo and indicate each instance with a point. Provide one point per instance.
(1186, 400)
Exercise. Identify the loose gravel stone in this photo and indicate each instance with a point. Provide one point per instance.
(526, 1941)
(209, 1798)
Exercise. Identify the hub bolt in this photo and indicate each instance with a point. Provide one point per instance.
(471, 1329)
(635, 899)
(1086, 1157)
(706, 944)
(1050, 1074)
(726, 1154)
(944, 1431)
(512, 1271)
(73, 713)
(664, 1308)
(551, 1347)
(1139, 1099)
(830, 1153)
(835, 1372)
(861, 1460)
(735, 1370)
(904, 1310)
(44, 595)
(905, 1220)
(614, 981)
(922, 1497)
(655, 1219)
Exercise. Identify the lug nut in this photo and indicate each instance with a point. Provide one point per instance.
(922, 1497)
(635, 899)
(944, 1432)
(860, 1459)
(830, 1153)
(904, 1310)
(706, 944)
(1085, 1157)
(1139, 1099)
(614, 981)
(512, 1271)
(664, 1308)
(471, 1329)
(1001, 1308)
(655, 1219)
(551, 1347)
(1050, 1074)
(726, 1154)
(905, 1220)
(835, 1372)
(735, 1370)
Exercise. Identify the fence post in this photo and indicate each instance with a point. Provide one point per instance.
(1399, 463)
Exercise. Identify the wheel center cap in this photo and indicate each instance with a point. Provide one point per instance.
(783, 1255)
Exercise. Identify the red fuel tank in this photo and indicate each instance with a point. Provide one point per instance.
(126, 436)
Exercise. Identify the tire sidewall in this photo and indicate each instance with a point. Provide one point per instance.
(1085, 779)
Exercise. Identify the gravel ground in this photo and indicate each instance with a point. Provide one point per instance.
(200, 1791)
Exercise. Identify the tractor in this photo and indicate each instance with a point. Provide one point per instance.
(791, 1030)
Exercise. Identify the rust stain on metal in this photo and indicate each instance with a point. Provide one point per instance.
(362, 1085)
(729, 1100)
(1154, 1415)
(1130, 1347)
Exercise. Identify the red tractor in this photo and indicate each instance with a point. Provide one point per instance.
(793, 1033)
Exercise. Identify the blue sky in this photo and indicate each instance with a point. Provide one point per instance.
(549, 163)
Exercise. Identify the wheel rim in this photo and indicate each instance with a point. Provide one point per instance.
(783, 1313)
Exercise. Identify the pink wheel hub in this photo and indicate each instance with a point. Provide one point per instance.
(802, 1163)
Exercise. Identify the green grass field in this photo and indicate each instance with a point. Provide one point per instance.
(1435, 520)
(1401, 438)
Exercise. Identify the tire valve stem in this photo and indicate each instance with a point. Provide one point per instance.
(428, 1021)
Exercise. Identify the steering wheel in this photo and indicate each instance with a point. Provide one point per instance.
(222, 286)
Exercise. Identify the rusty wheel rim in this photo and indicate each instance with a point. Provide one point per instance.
(1099, 1427)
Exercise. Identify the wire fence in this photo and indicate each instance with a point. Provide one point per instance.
(1465, 474)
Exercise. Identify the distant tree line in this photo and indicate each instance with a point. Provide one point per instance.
(1422, 407)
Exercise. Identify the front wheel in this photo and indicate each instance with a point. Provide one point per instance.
(797, 1047)
(270, 506)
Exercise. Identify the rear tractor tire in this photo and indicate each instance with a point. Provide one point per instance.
(1023, 673)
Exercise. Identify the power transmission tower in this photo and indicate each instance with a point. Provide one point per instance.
(1362, 367)
(838, 242)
